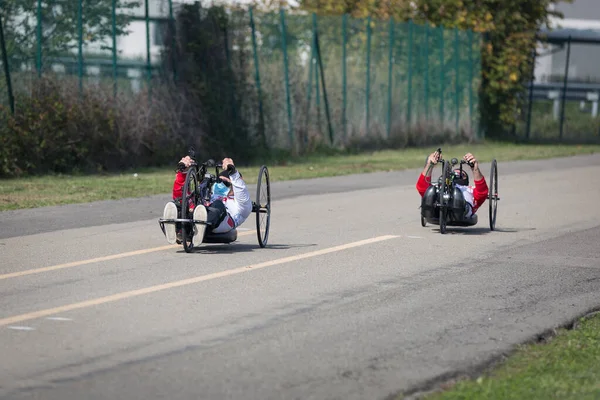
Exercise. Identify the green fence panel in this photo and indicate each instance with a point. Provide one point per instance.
(374, 79)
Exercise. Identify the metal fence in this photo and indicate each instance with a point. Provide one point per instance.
(329, 79)
(564, 91)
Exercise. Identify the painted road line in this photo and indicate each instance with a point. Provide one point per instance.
(184, 282)
(94, 260)
(21, 328)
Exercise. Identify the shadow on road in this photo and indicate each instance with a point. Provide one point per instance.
(481, 230)
(242, 247)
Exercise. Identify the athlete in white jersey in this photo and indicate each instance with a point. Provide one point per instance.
(229, 206)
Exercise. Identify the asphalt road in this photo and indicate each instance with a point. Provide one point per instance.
(352, 299)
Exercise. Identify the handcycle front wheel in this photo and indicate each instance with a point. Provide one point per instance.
(493, 194)
(188, 199)
(443, 190)
(263, 206)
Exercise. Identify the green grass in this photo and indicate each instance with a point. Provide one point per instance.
(55, 190)
(565, 367)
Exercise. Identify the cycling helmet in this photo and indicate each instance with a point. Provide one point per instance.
(461, 177)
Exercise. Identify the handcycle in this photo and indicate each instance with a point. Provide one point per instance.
(197, 191)
(443, 203)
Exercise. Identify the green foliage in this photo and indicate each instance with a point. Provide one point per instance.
(55, 131)
(510, 28)
(59, 24)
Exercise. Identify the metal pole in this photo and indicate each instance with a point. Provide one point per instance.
(309, 92)
(11, 99)
(442, 84)
(391, 60)
(287, 82)
(426, 72)
(114, 46)
(39, 39)
(410, 47)
(564, 93)
(530, 104)
(368, 83)
(470, 34)
(456, 78)
(80, 45)
(173, 41)
(148, 60)
(344, 90)
(261, 120)
(320, 59)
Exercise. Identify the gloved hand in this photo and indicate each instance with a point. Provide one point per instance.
(228, 165)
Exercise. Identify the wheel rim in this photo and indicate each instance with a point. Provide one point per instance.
(493, 194)
(263, 203)
(442, 200)
(187, 197)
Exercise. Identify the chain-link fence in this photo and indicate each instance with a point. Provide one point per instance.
(292, 79)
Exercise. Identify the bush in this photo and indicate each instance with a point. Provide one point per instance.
(55, 130)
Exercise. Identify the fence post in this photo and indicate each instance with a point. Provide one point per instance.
(456, 78)
(173, 40)
(309, 92)
(368, 83)
(344, 90)
(320, 60)
(287, 82)
(261, 120)
(442, 83)
(410, 48)
(391, 60)
(80, 45)
(39, 39)
(114, 46)
(470, 80)
(564, 93)
(530, 104)
(11, 99)
(426, 78)
(231, 82)
(148, 60)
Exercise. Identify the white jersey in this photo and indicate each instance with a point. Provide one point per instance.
(239, 206)
(467, 192)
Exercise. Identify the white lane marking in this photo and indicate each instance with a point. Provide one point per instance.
(21, 328)
(59, 319)
(415, 237)
(94, 260)
(189, 281)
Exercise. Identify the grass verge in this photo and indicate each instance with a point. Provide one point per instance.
(50, 190)
(564, 367)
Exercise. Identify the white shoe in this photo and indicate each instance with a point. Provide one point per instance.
(170, 212)
(200, 214)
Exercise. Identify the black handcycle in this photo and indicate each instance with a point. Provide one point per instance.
(197, 191)
(444, 204)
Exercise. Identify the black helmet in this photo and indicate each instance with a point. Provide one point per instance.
(460, 177)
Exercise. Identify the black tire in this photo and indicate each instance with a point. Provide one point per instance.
(423, 223)
(263, 206)
(188, 196)
(493, 195)
(443, 190)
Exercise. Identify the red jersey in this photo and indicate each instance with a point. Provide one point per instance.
(480, 190)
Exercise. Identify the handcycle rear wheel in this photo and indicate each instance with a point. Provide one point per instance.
(493, 194)
(188, 199)
(263, 206)
(443, 190)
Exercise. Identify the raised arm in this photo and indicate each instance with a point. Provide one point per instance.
(425, 178)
